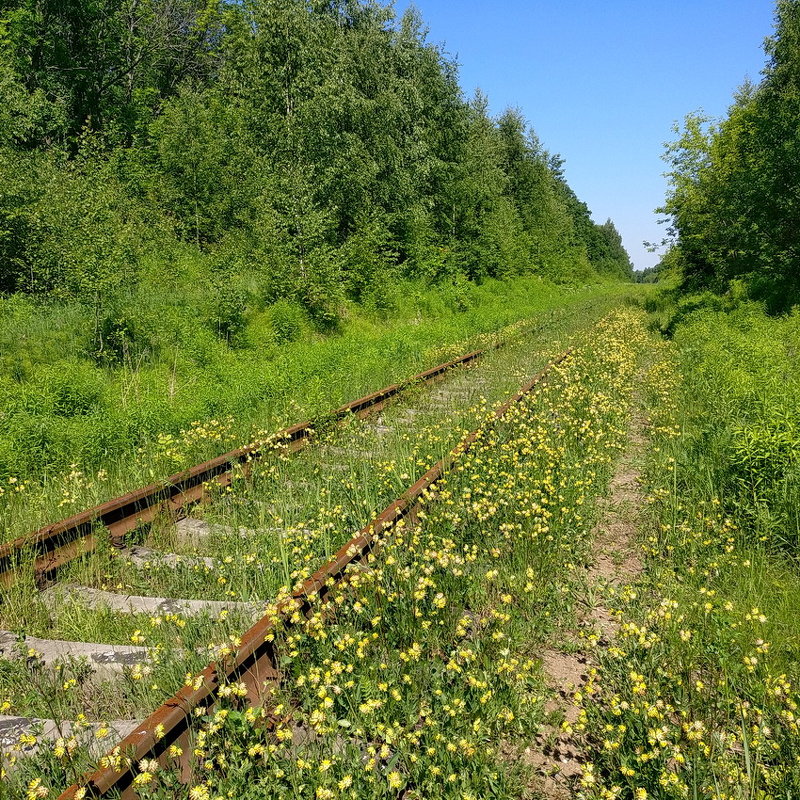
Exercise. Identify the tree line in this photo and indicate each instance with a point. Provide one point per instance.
(734, 198)
(306, 149)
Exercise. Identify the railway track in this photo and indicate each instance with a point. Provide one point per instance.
(55, 545)
(58, 549)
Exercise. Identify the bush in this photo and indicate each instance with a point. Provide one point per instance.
(288, 321)
(117, 335)
(227, 305)
(71, 388)
(67, 228)
(741, 367)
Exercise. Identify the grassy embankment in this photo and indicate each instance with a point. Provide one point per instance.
(268, 561)
(75, 430)
(296, 511)
(426, 677)
(699, 696)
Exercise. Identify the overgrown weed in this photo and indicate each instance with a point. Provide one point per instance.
(698, 697)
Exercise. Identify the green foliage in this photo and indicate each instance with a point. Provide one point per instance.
(198, 165)
(71, 390)
(118, 336)
(675, 307)
(99, 64)
(647, 275)
(321, 151)
(288, 321)
(734, 185)
(742, 367)
(606, 251)
(164, 366)
(66, 228)
(226, 310)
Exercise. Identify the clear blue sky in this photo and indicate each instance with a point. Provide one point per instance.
(602, 82)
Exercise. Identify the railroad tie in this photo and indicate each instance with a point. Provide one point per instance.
(457, 394)
(349, 452)
(106, 660)
(56, 597)
(328, 466)
(143, 557)
(191, 532)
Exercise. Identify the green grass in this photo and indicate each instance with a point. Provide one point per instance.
(426, 676)
(73, 432)
(297, 510)
(698, 697)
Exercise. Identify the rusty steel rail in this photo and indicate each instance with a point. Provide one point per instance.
(55, 545)
(255, 661)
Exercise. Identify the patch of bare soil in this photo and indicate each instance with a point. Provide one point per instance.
(556, 754)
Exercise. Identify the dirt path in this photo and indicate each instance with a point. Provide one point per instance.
(615, 561)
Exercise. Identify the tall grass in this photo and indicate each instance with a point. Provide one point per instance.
(76, 426)
(698, 694)
(743, 368)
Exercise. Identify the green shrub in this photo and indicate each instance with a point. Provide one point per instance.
(288, 320)
(72, 388)
(743, 378)
(67, 228)
(117, 336)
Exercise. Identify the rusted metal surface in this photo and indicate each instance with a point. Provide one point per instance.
(55, 545)
(255, 661)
